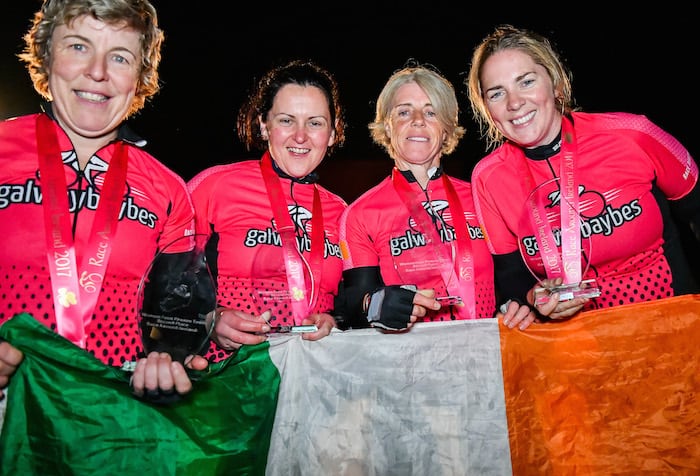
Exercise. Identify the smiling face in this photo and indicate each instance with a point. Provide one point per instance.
(415, 132)
(93, 76)
(520, 98)
(298, 129)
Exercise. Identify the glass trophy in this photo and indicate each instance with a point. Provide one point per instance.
(271, 290)
(175, 295)
(421, 262)
(540, 242)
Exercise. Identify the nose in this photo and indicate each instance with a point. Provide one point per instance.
(515, 102)
(417, 118)
(300, 134)
(96, 68)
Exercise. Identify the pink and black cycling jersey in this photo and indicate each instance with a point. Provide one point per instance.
(155, 211)
(378, 229)
(621, 161)
(244, 248)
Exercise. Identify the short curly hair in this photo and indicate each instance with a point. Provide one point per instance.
(139, 15)
(441, 94)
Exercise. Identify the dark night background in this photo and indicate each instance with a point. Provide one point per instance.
(638, 60)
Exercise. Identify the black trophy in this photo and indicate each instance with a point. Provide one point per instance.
(176, 294)
(548, 251)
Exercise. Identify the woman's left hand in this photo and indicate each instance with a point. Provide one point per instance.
(324, 323)
(516, 314)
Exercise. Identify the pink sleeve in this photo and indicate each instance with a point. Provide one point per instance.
(676, 171)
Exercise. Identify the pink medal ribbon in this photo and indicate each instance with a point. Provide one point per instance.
(303, 300)
(75, 290)
(569, 205)
(568, 263)
(463, 265)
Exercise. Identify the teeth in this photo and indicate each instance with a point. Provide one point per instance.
(523, 119)
(298, 150)
(418, 139)
(91, 96)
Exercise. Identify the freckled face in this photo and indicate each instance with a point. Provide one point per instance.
(520, 98)
(93, 75)
(298, 129)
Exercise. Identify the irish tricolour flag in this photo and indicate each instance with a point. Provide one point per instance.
(614, 391)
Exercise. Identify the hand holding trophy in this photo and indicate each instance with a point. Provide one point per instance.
(429, 258)
(284, 284)
(426, 267)
(552, 245)
(435, 245)
(175, 295)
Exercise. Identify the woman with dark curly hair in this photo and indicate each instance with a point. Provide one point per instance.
(272, 230)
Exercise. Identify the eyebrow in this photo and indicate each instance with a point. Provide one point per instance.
(517, 78)
(411, 105)
(85, 39)
(317, 116)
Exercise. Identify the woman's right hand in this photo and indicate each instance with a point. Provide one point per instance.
(10, 358)
(397, 308)
(554, 308)
(234, 328)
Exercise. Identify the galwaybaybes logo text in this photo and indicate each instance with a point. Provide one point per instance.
(79, 197)
(30, 192)
(413, 238)
(301, 217)
(598, 217)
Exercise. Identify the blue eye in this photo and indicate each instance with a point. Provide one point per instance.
(494, 95)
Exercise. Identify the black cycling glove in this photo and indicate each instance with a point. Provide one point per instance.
(390, 307)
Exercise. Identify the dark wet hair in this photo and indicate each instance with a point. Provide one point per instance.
(259, 103)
